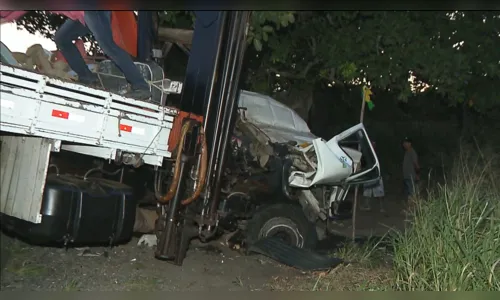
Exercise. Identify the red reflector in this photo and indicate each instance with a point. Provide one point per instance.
(125, 128)
(60, 114)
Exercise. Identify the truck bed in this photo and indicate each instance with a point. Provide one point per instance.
(85, 120)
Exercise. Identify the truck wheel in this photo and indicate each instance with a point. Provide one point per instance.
(284, 221)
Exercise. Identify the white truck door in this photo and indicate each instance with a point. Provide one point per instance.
(338, 161)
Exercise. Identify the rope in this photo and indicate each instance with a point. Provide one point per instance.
(158, 84)
(151, 84)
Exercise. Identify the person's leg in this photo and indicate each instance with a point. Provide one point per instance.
(413, 194)
(69, 31)
(381, 202)
(365, 206)
(407, 193)
(416, 188)
(365, 203)
(410, 192)
(99, 23)
(380, 194)
(408, 184)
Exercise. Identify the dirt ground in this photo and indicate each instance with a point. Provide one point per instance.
(208, 267)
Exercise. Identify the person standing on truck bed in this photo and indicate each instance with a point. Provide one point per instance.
(98, 23)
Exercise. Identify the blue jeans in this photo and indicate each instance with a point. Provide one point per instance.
(99, 24)
(409, 186)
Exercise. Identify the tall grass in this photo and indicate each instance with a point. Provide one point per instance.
(453, 243)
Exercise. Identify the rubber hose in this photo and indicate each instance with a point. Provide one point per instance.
(173, 186)
(201, 172)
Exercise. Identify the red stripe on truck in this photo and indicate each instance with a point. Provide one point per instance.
(60, 114)
(125, 128)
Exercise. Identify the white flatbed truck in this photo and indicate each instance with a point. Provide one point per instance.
(40, 115)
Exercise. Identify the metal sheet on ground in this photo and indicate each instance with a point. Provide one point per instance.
(293, 256)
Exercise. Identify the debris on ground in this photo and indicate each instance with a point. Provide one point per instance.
(293, 256)
(149, 240)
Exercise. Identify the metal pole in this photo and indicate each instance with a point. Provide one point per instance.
(214, 73)
(170, 230)
(356, 190)
(232, 105)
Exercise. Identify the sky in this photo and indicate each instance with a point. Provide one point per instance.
(19, 40)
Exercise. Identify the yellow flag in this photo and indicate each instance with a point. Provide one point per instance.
(367, 93)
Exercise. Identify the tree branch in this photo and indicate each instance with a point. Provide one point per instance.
(330, 20)
(333, 77)
(176, 35)
(377, 44)
(312, 45)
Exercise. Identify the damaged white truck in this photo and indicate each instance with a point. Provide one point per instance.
(226, 160)
(285, 164)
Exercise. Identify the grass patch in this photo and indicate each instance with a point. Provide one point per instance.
(140, 284)
(26, 269)
(18, 261)
(366, 269)
(371, 253)
(351, 277)
(71, 286)
(454, 240)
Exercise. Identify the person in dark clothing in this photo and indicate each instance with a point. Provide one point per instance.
(99, 24)
(411, 169)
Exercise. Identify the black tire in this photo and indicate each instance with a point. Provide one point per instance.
(285, 221)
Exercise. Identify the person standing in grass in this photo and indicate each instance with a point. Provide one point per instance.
(411, 170)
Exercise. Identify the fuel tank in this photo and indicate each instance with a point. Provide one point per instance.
(77, 211)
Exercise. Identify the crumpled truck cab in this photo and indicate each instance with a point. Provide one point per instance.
(317, 173)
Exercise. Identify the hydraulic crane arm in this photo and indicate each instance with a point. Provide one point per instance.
(210, 90)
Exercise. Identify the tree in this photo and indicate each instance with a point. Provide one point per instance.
(41, 22)
(47, 24)
(450, 52)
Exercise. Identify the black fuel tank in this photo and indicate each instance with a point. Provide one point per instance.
(92, 211)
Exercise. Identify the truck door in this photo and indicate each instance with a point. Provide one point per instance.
(340, 161)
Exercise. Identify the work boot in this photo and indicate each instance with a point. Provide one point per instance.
(138, 94)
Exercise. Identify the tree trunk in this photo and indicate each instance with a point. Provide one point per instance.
(300, 100)
(182, 36)
(464, 122)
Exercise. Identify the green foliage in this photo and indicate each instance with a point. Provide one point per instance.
(177, 19)
(264, 24)
(384, 46)
(454, 53)
(41, 22)
(348, 70)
